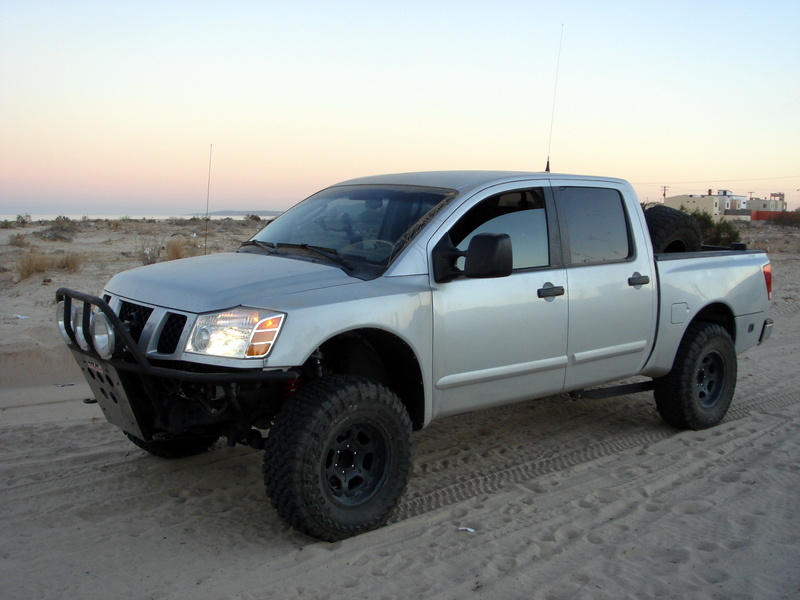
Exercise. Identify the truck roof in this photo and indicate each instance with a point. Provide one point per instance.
(464, 180)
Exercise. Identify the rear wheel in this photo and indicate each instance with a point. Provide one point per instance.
(338, 457)
(175, 448)
(697, 392)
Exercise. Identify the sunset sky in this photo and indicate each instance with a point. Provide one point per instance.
(111, 107)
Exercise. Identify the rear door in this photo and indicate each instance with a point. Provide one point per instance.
(612, 291)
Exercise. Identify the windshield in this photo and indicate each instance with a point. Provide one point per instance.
(361, 225)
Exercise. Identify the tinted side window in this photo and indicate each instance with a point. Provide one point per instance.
(596, 225)
(520, 214)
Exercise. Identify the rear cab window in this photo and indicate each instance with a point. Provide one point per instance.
(597, 229)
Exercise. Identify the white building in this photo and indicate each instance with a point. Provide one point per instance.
(713, 204)
(776, 202)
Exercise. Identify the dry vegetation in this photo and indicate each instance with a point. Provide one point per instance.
(769, 236)
(66, 245)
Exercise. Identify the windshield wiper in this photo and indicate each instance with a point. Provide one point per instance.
(328, 253)
(268, 246)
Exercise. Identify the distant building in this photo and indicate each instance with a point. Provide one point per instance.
(713, 204)
(776, 202)
(727, 205)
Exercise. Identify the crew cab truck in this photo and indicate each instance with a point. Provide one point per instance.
(382, 303)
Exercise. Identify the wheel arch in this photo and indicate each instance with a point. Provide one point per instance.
(383, 357)
(719, 313)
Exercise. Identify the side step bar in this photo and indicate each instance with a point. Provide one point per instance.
(616, 390)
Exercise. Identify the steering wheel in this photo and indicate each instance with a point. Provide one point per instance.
(367, 245)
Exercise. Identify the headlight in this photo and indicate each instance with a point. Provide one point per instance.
(103, 336)
(238, 333)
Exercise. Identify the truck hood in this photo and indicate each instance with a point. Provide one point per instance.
(219, 281)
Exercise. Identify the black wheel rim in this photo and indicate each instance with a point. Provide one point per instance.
(355, 463)
(710, 380)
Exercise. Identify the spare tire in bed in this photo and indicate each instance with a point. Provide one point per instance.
(672, 230)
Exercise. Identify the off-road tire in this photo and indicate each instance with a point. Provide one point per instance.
(672, 230)
(175, 448)
(697, 392)
(338, 457)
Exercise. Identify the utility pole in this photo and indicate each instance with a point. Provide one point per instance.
(664, 189)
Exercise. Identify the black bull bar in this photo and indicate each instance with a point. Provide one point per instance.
(109, 378)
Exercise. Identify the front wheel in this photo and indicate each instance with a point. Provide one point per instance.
(697, 392)
(338, 457)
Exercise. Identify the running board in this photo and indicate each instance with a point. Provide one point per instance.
(616, 390)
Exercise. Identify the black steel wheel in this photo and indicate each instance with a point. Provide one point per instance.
(355, 462)
(697, 392)
(338, 457)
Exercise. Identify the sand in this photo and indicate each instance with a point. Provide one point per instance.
(548, 499)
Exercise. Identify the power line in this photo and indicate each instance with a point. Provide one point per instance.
(721, 180)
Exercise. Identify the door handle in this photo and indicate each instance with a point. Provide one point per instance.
(549, 290)
(638, 279)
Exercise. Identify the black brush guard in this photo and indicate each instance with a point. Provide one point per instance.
(124, 385)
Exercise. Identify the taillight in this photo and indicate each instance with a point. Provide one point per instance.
(767, 269)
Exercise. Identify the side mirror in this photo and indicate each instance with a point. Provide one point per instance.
(489, 255)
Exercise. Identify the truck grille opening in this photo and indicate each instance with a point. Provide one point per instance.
(136, 315)
(171, 334)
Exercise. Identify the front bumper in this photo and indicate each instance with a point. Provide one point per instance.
(125, 385)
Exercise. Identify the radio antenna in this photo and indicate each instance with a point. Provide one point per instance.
(553, 110)
(208, 198)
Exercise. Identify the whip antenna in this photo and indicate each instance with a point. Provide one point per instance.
(208, 197)
(553, 110)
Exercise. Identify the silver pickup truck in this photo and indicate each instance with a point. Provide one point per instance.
(380, 304)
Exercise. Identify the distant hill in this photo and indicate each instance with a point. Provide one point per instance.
(240, 213)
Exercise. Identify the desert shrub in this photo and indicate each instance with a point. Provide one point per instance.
(30, 263)
(253, 218)
(179, 221)
(19, 240)
(69, 262)
(788, 219)
(715, 233)
(148, 250)
(61, 229)
(6, 224)
(65, 223)
(179, 248)
(23, 220)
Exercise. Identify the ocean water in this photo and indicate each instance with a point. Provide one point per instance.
(35, 217)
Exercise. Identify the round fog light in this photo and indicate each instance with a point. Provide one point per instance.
(73, 318)
(103, 336)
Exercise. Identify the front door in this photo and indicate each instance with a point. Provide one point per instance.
(502, 339)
